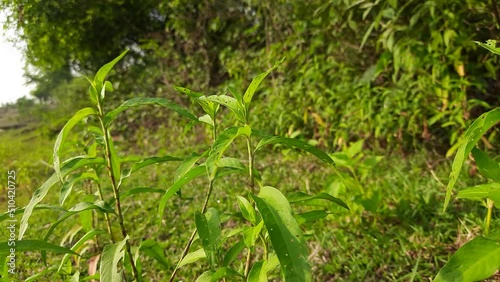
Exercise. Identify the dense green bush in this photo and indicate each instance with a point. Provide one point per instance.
(396, 73)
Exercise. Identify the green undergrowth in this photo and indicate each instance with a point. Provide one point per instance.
(396, 230)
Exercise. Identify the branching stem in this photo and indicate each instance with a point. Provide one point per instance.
(116, 193)
(191, 239)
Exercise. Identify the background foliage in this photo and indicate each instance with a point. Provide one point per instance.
(397, 73)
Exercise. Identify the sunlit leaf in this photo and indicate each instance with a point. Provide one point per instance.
(231, 104)
(208, 226)
(490, 45)
(224, 272)
(221, 144)
(190, 175)
(247, 209)
(258, 272)
(487, 166)
(474, 261)
(104, 70)
(192, 257)
(250, 234)
(111, 256)
(481, 192)
(34, 245)
(477, 129)
(311, 216)
(302, 197)
(250, 92)
(286, 236)
(7, 215)
(233, 253)
(64, 132)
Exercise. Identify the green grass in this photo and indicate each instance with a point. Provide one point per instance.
(396, 231)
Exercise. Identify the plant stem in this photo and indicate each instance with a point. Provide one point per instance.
(250, 164)
(191, 239)
(116, 193)
(489, 205)
(252, 187)
(247, 263)
(106, 216)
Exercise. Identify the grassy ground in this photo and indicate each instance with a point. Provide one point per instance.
(396, 230)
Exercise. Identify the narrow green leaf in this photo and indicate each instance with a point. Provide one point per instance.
(64, 132)
(207, 119)
(231, 104)
(481, 192)
(187, 164)
(224, 272)
(474, 261)
(236, 94)
(67, 187)
(286, 236)
(43, 273)
(139, 190)
(296, 143)
(101, 206)
(110, 116)
(111, 255)
(249, 93)
(152, 249)
(88, 236)
(302, 197)
(205, 276)
(233, 253)
(75, 277)
(192, 257)
(250, 234)
(477, 129)
(367, 34)
(324, 157)
(311, 216)
(108, 86)
(41, 192)
(208, 106)
(487, 166)
(34, 245)
(247, 210)
(258, 272)
(94, 97)
(104, 70)
(144, 163)
(208, 226)
(7, 215)
(232, 163)
(490, 45)
(220, 146)
(228, 166)
(190, 175)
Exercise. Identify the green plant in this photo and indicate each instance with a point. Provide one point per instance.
(479, 258)
(270, 231)
(268, 221)
(101, 156)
